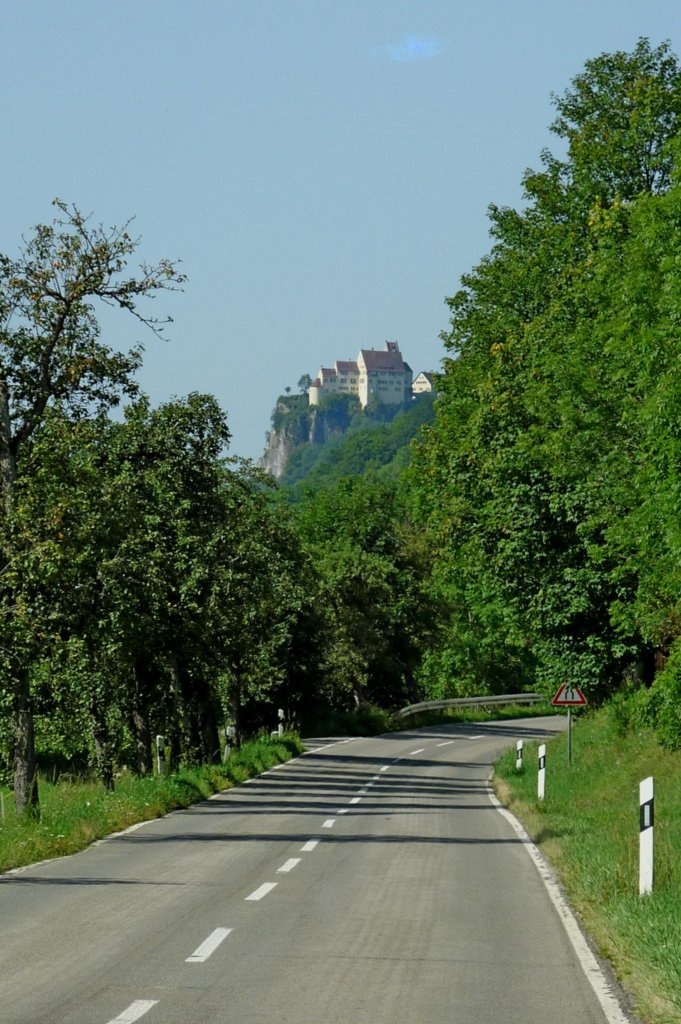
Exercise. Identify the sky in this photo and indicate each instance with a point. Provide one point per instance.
(322, 168)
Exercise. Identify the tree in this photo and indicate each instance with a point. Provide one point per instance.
(373, 584)
(516, 480)
(305, 383)
(51, 355)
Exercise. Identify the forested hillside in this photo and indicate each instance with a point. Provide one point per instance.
(528, 535)
(376, 441)
(312, 446)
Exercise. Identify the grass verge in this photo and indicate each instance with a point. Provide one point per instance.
(74, 814)
(588, 827)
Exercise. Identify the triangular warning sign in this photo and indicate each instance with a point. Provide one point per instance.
(568, 696)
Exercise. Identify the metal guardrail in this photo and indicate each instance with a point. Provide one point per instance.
(463, 702)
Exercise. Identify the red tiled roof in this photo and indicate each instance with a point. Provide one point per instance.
(384, 361)
(346, 366)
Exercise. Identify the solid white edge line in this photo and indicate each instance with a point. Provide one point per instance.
(309, 845)
(208, 946)
(288, 865)
(262, 890)
(134, 1011)
(589, 964)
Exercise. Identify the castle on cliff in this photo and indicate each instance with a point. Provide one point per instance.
(375, 376)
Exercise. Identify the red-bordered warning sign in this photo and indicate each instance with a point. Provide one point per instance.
(568, 696)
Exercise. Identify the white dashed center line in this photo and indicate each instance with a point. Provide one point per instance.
(385, 767)
(419, 751)
(445, 744)
(201, 954)
(134, 1011)
(355, 800)
(262, 891)
(288, 865)
(309, 845)
(329, 823)
(343, 810)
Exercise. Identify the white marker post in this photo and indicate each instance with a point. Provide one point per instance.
(280, 715)
(518, 755)
(160, 754)
(541, 775)
(647, 816)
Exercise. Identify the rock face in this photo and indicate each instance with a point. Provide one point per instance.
(279, 445)
(295, 422)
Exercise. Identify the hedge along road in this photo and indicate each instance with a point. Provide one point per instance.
(369, 881)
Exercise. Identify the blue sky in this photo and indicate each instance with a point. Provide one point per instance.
(322, 167)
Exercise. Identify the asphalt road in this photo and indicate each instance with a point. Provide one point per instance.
(369, 881)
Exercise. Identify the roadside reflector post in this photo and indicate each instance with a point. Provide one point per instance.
(280, 716)
(646, 822)
(160, 754)
(229, 732)
(518, 755)
(541, 775)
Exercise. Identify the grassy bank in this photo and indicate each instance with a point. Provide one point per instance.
(588, 827)
(74, 814)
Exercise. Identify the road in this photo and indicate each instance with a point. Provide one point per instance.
(369, 881)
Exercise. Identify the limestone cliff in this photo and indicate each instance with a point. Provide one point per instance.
(295, 423)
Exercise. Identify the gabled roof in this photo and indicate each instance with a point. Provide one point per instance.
(383, 360)
(346, 366)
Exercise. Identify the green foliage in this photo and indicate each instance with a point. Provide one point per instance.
(549, 481)
(658, 707)
(372, 574)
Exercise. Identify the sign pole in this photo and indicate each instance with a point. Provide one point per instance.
(568, 697)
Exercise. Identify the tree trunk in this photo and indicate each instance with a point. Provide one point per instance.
(25, 767)
(103, 759)
(235, 708)
(140, 718)
(174, 727)
(411, 685)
